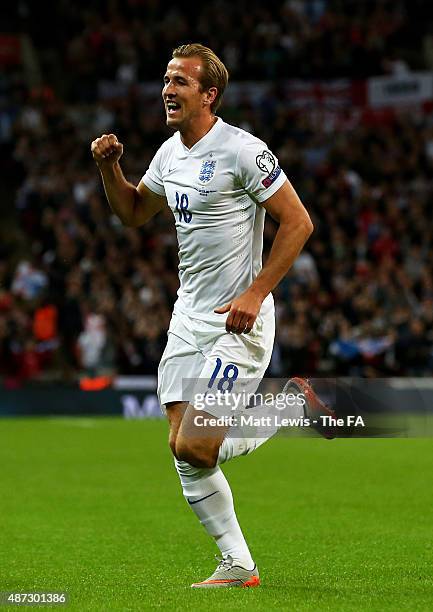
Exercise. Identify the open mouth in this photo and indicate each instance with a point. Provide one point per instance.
(172, 107)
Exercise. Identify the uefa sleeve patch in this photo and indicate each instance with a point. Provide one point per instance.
(267, 182)
(266, 162)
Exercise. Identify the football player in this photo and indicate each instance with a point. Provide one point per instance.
(219, 182)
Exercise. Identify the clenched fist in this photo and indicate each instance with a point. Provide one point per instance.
(106, 150)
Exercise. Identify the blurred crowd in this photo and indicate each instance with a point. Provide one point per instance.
(80, 293)
(128, 39)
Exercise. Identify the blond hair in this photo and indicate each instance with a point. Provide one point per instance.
(215, 74)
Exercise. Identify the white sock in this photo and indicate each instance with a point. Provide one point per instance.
(209, 495)
(243, 440)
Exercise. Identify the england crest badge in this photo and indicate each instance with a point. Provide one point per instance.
(207, 171)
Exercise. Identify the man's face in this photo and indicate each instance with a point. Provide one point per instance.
(182, 95)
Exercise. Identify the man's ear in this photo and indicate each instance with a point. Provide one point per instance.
(210, 96)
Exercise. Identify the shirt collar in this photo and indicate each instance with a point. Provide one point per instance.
(204, 140)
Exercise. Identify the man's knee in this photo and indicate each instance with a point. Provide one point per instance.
(196, 452)
(172, 443)
(175, 412)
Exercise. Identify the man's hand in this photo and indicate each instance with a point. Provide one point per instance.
(243, 312)
(106, 150)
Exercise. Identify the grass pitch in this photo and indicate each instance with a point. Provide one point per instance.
(93, 507)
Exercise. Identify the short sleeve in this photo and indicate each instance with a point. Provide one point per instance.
(153, 175)
(258, 171)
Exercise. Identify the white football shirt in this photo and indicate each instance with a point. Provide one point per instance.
(214, 190)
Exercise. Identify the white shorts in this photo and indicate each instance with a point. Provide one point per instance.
(203, 350)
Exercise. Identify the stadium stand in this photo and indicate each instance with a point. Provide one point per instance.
(81, 293)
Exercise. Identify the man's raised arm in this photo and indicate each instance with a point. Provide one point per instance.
(133, 205)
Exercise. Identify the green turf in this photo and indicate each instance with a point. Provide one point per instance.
(93, 507)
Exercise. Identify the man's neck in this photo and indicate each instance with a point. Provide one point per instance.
(196, 130)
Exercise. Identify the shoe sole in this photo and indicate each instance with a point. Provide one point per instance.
(252, 582)
(314, 407)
